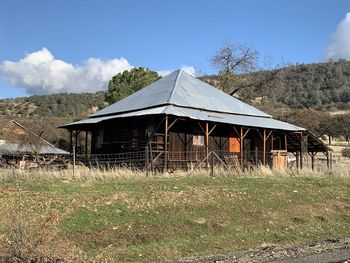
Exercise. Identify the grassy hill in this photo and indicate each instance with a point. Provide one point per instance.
(138, 219)
(322, 86)
(66, 105)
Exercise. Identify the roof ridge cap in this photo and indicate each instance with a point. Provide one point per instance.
(175, 85)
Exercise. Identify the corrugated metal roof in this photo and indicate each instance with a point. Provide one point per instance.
(153, 111)
(181, 89)
(15, 148)
(180, 94)
(235, 119)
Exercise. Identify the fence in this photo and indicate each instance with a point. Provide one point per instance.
(181, 160)
(153, 162)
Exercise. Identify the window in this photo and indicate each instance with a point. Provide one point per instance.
(198, 140)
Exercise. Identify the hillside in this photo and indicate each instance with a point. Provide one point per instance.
(66, 105)
(322, 86)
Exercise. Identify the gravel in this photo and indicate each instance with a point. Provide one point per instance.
(331, 251)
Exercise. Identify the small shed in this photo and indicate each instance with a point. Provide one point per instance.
(22, 148)
(178, 121)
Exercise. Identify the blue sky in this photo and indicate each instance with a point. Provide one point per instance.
(70, 45)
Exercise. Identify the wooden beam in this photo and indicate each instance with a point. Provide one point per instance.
(327, 155)
(71, 142)
(166, 145)
(245, 134)
(171, 124)
(261, 136)
(237, 133)
(86, 144)
(264, 147)
(212, 129)
(242, 147)
(297, 160)
(200, 125)
(159, 124)
(271, 141)
(285, 141)
(76, 139)
(207, 141)
(267, 137)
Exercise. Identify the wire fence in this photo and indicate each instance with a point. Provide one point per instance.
(189, 161)
(197, 159)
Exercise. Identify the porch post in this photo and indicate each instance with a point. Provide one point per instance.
(264, 148)
(86, 144)
(76, 140)
(70, 142)
(297, 159)
(207, 143)
(242, 146)
(285, 141)
(166, 145)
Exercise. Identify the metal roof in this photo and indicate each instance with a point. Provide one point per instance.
(225, 118)
(180, 94)
(181, 89)
(15, 149)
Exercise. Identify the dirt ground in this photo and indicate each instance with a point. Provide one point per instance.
(334, 250)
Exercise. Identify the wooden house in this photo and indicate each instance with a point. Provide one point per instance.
(179, 120)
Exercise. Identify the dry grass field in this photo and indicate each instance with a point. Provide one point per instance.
(125, 217)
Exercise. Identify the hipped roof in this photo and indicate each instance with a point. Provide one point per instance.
(180, 94)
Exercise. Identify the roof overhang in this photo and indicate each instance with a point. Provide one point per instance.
(195, 114)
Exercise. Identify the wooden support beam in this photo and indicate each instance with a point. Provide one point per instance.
(86, 144)
(245, 134)
(185, 146)
(303, 147)
(312, 162)
(159, 124)
(212, 129)
(261, 136)
(297, 160)
(76, 139)
(271, 141)
(207, 141)
(166, 145)
(237, 133)
(267, 137)
(285, 141)
(200, 125)
(242, 146)
(172, 123)
(327, 155)
(71, 142)
(264, 147)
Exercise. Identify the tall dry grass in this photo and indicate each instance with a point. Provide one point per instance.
(86, 174)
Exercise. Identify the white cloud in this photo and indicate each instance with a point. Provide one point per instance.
(40, 73)
(339, 43)
(188, 69)
(164, 73)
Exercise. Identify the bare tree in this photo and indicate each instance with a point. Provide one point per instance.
(231, 60)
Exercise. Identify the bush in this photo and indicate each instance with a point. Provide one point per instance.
(346, 152)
